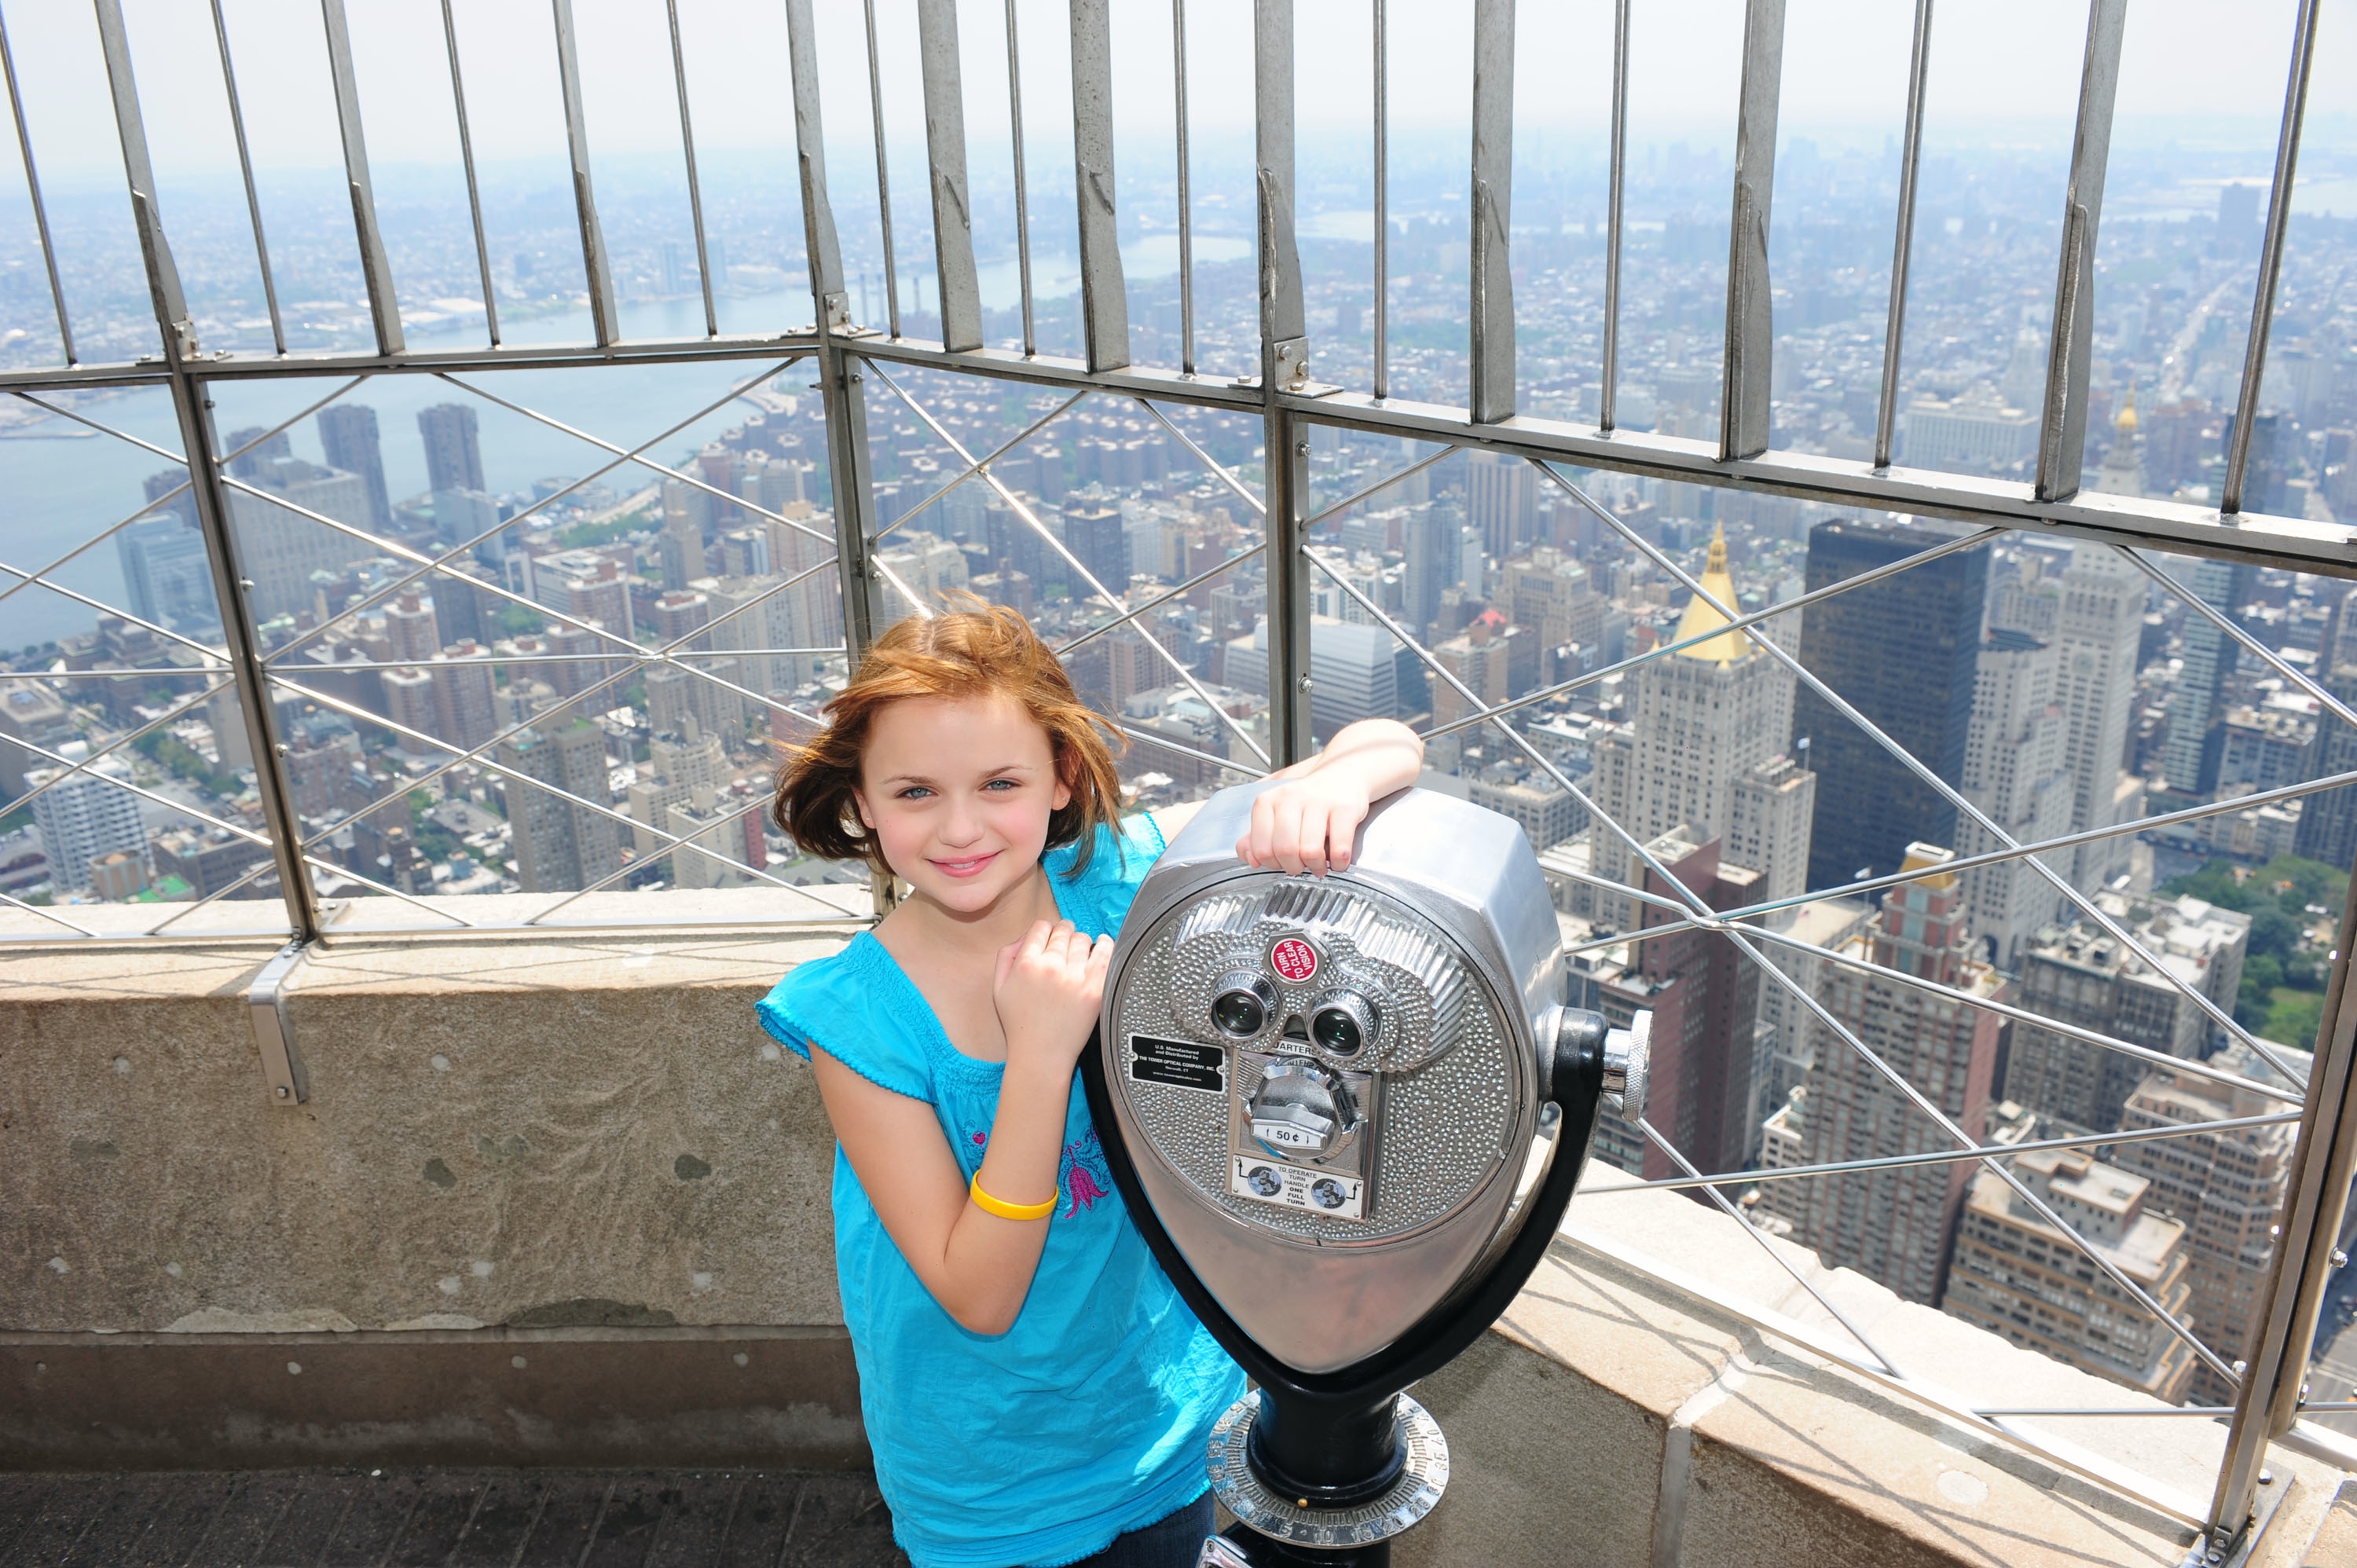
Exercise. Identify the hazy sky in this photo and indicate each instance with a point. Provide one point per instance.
(1997, 63)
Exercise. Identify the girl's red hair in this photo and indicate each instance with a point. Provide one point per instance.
(983, 652)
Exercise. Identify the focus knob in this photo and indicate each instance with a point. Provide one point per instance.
(1627, 1058)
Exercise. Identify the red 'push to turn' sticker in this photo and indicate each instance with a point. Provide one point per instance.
(1294, 959)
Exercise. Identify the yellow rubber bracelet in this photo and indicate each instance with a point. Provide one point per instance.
(1007, 1210)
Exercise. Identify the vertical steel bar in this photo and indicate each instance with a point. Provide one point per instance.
(604, 319)
(1186, 198)
(1383, 387)
(2070, 355)
(1283, 367)
(1747, 368)
(1104, 295)
(883, 177)
(1490, 270)
(376, 270)
(1022, 193)
(467, 156)
(957, 290)
(1902, 250)
(2271, 253)
(695, 186)
(1608, 384)
(245, 168)
(33, 189)
(844, 405)
(2268, 1401)
(192, 408)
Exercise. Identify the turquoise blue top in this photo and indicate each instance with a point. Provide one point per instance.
(1088, 1417)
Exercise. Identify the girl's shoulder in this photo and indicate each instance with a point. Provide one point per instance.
(844, 1004)
(1098, 894)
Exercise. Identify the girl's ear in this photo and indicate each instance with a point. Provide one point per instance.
(859, 804)
(1064, 796)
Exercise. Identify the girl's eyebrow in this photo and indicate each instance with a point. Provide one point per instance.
(998, 772)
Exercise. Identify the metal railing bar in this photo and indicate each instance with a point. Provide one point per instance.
(1186, 198)
(1120, 605)
(219, 663)
(957, 290)
(883, 569)
(695, 186)
(1105, 299)
(1720, 1199)
(673, 842)
(1955, 1156)
(1939, 786)
(1022, 191)
(1902, 251)
(764, 596)
(2065, 1455)
(1608, 378)
(2271, 254)
(245, 168)
(2226, 624)
(376, 267)
(597, 264)
(1383, 380)
(1746, 366)
(638, 457)
(996, 453)
(2062, 423)
(883, 175)
(1164, 597)
(628, 866)
(1736, 624)
(466, 157)
(40, 209)
(1194, 450)
(1149, 737)
(172, 714)
(2310, 1406)
(1490, 277)
(497, 658)
(440, 563)
(1369, 492)
(101, 429)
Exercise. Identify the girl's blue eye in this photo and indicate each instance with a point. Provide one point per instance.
(1000, 784)
(914, 792)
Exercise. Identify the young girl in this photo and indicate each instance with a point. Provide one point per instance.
(1034, 1390)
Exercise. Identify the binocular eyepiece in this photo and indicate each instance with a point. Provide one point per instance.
(1327, 1101)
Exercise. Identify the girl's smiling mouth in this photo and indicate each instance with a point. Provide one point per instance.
(974, 866)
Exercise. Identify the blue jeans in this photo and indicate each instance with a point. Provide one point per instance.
(1169, 1542)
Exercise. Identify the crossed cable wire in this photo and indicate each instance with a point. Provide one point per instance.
(1694, 917)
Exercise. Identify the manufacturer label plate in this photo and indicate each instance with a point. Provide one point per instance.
(1290, 1187)
(1181, 1064)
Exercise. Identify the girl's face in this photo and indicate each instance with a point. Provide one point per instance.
(958, 795)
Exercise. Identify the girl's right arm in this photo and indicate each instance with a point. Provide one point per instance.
(977, 1265)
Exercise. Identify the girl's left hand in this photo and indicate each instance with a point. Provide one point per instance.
(1307, 823)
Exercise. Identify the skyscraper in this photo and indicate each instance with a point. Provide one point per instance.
(348, 432)
(1894, 1224)
(1701, 721)
(86, 815)
(453, 448)
(2327, 820)
(2226, 1185)
(2097, 629)
(2082, 975)
(2196, 707)
(165, 574)
(1902, 651)
(2014, 772)
(559, 846)
(2019, 1276)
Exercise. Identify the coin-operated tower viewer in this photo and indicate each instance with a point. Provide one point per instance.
(1347, 1112)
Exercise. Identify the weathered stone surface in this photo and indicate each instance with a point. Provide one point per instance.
(494, 1131)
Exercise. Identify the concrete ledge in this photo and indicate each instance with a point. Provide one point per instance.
(757, 1398)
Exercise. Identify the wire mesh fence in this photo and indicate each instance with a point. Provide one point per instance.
(1975, 828)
